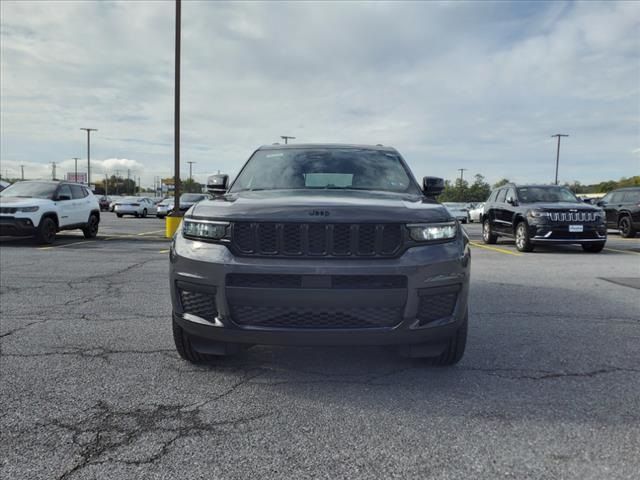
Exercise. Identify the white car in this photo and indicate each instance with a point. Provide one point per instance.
(476, 213)
(136, 206)
(459, 211)
(42, 208)
(164, 207)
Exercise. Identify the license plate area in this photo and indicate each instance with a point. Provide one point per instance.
(576, 228)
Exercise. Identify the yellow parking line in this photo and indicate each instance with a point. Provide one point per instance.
(149, 233)
(164, 251)
(621, 251)
(496, 249)
(65, 245)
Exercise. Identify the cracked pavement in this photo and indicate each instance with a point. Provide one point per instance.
(91, 386)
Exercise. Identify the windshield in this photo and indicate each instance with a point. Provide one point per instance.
(325, 168)
(30, 190)
(166, 201)
(546, 195)
(190, 197)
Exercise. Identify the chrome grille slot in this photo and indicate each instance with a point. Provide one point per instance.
(572, 216)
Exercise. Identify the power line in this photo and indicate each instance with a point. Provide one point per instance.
(286, 138)
(559, 135)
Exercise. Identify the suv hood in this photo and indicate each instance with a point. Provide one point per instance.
(17, 202)
(321, 205)
(583, 207)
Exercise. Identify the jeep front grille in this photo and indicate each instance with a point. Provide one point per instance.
(317, 239)
(573, 216)
(8, 210)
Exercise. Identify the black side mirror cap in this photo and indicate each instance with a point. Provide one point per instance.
(432, 186)
(218, 184)
(512, 201)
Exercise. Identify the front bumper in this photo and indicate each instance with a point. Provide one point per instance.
(554, 233)
(17, 227)
(431, 272)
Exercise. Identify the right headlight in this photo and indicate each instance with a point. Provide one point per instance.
(538, 213)
(429, 232)
(204, 229)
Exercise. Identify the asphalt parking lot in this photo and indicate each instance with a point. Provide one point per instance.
(91, 386)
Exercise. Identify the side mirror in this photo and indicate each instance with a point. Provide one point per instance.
(64, 197)
(432, 186)
(512, 201)
(218, 184)
(600, 203)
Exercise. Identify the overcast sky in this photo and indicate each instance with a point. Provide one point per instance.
(473, 85)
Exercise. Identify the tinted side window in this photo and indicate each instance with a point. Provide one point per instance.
(77, 191)
(492, 197)
(616, 197)
(64, 190)
(511, 193)
(631, 197)
(501, 196)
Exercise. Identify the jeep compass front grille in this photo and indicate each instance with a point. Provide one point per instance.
(317, 239)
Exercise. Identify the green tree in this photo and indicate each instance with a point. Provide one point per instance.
(191, 186)
(500, 183)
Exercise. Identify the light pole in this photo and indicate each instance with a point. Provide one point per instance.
(89, 130)
(22, 170)
(286, 138)
(76, 162)
(559, 135)
(190, 165)
(176, 115)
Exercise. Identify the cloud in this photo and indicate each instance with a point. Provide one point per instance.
(451, 85)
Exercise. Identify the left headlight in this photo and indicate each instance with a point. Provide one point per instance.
(204, 229)
(28, 209)
(433, 232)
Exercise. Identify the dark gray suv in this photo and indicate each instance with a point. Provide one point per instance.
(321, 245)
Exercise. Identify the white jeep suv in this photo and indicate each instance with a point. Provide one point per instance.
(43, 208)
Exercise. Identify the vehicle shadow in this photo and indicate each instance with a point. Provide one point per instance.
(520, 357)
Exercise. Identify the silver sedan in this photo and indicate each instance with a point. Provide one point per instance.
(136, 206)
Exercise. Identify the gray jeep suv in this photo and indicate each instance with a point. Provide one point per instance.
(321, 245)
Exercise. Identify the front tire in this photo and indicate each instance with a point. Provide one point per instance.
(593, 247)
(487, 235)
(46, 233)
(91, 230)
(455, 347)
(144, 213)
(119, 215)
(185, 348)
(626, 227)
(523, 242)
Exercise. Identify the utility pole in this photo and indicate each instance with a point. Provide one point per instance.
(139, 190)
(559, 135)
(89, 130)
(76, 160)
(117, 177)
(128, 179)
(22, 169)
(106, 184)
(190, 165)
(462, 170)
(53, 170)
(286, 138)
(176, 113)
